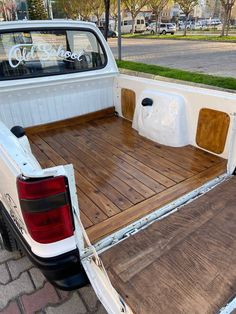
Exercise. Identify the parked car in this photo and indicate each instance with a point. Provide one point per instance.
(163, 28)
(182, 25)
(111, 33)
(198, 26)
(139, 25)
(213, 22)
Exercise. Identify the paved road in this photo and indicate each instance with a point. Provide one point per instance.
(24, 290)
(205, 57)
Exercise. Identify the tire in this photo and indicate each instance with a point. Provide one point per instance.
(8, 240)
(113, 35)
(164, 32)
(172, 33)
(152, 32)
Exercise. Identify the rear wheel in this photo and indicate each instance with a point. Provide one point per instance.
(8, 240)
(164, 32)
(113, 35)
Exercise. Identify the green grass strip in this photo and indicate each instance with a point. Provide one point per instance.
(182, 37)
(223, 82)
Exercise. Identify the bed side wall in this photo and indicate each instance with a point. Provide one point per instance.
(191, 99)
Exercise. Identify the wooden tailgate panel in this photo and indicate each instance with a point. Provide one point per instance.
(127, 103)
(212, 130)
(184, 263)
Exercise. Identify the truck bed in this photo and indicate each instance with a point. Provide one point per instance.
(184, 263)
(120, 175)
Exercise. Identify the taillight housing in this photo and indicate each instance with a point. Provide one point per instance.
(45, 206)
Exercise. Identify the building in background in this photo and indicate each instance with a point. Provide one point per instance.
(205, 10)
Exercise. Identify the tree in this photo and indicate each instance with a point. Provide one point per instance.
(74, 8)
(85, 9)
(97, 7)
(37, 10)
(8, 10)
(157, 6)
(134, 7)
(227, 6)
(107, 13)
(187, 7)
(58, 10)
(70, 9)
(114, 12)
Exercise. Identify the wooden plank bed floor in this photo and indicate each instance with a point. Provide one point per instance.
(120, 175)
(184, 263)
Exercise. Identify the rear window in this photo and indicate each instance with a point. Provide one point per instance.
(36, 53)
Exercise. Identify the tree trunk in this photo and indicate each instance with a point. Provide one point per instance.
(4, 11)
(107, 13)
(156, 26)
(98, 20)
(228, 21)
(159, 23)
(116, 24)
(185, 27)
(133, 24)
(224, 23)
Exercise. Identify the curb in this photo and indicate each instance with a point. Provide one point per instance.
(185, 39)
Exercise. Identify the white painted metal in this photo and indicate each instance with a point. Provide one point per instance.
(35, 101)
(40, 100)
(229, 308)
(101, 284)
(165, 121)
(16, 159)
(232, 144)
(98, 276)
(195, 99)
(47, 102)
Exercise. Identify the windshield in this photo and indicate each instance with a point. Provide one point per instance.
(49, 52)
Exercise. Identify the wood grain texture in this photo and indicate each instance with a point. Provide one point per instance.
(184, 263)
(128, 102)
(212, 130)
(153, 203)
(108, 112)
(121, 176)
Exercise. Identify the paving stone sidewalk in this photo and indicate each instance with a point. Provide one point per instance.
(24, 290)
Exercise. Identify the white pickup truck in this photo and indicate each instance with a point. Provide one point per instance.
(98, 166)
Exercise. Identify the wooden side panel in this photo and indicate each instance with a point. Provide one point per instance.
(212, 130)
(108, 112)
(127, 103)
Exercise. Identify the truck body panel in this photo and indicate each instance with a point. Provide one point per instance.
(132, 150)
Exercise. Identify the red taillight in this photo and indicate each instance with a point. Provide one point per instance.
(46, 208)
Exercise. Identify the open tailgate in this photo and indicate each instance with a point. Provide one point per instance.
(184, 263)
